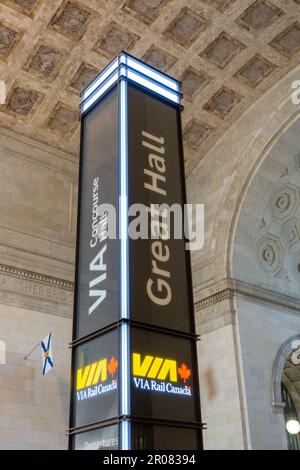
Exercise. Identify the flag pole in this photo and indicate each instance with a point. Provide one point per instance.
(35, 347)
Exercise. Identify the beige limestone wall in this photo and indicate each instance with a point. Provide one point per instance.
(262, 330)
(266, 256)
(38, 198)
(33, 408)
(221, 181)
(220, 392)
(38, 202)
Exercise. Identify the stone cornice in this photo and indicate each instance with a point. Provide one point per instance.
(35, 291)
(214, 298)
(37, 277)
(230, 288)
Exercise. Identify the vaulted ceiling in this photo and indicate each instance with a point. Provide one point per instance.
(226, 52)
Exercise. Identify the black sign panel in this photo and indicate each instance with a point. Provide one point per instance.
(163, 376)
(97, 290)
(95, 387)
(159, 294)
(98, 439)
(149, 437)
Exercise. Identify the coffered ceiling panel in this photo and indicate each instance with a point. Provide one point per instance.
(226, 52)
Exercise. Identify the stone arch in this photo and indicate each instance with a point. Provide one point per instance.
(284, 352)
(222, 181)
(266, 244)
(232, 164)
(261, 259)
(251, 169)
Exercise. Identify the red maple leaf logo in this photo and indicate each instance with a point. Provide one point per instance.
(184, 372)
(112, 366)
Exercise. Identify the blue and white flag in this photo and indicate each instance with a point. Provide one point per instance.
(46, 345)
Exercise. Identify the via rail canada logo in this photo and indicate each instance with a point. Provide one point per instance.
(96, 379)
(157, 374)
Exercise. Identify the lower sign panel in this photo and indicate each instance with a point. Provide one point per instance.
(95, 395)
(163, 379)
(98, 439)
(149, 437)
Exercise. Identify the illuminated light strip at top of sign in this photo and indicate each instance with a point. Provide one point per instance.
(143, 75)
(100, 79)
(100, 91)
(136, 78)
(135, 65)
(152, 86)
(153, 74)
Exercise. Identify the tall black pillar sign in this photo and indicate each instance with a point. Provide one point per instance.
(134, 366)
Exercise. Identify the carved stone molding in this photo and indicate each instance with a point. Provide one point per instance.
(270, 253)
(35, 291)
(215, 307)
(215, 298)
(216, 310)
(23, 273)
